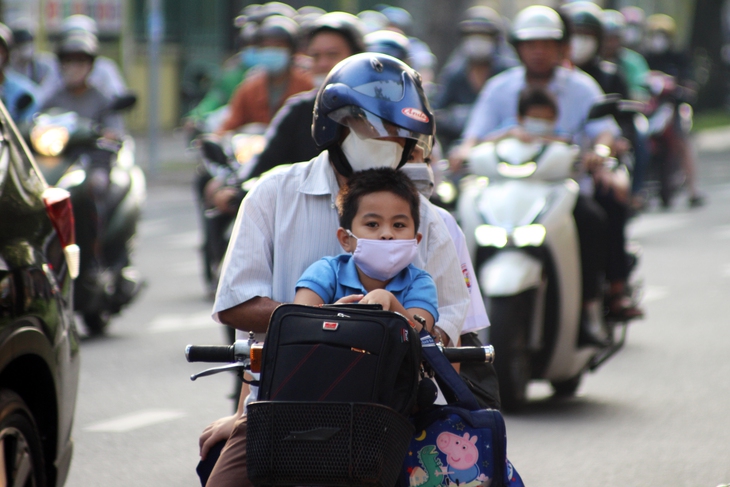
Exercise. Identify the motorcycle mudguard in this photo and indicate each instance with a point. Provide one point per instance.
(510, 272)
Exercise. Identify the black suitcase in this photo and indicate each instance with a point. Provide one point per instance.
(337, 384)
(340, 354)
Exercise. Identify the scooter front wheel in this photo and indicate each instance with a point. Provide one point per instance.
(510, 318)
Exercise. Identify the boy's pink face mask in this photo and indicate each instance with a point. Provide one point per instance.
(383, 259)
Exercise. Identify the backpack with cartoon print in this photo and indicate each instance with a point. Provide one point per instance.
(459, 443)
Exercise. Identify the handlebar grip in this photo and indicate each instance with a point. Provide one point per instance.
(209, 353)
(470, 354)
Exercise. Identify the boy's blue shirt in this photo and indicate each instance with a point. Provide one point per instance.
(333, 278)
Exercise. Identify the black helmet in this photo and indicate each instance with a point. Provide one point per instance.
(376, 93)
(585, 15)
(347, 25)
(278, 27)
(6, 36)
(388, 42)
(23, 30)
(78, 42)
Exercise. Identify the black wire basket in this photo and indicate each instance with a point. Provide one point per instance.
(328, 444)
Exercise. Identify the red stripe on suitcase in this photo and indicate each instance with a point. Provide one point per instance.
(342, 376)
(294, 371)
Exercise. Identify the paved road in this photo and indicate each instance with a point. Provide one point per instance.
(654, 415)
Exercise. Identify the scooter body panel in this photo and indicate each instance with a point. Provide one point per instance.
(547, 197)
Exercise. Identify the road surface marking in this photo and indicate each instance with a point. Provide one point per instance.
(654, 293)
(176, 321)
(134, 421)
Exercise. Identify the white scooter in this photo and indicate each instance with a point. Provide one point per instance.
(517, 215)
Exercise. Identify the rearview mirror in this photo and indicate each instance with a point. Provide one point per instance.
(605, 107)
(213, 151)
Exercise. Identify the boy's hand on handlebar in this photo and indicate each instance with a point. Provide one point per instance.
(215, 432)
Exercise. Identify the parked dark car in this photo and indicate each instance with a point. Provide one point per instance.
(39, 343)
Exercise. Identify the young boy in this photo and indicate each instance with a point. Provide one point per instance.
(379, 218)
(537, 113)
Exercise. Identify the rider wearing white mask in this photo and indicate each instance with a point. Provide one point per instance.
(482, 55)
(276, 78)
(330, 38)
(370, 112)
(76, 54)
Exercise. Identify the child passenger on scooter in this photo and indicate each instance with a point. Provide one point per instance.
(537, 113)
(379, 218)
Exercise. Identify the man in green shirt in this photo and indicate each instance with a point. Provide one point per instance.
(633, 64)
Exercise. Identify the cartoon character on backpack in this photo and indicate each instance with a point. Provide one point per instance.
(461, 457)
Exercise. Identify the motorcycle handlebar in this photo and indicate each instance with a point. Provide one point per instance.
(210, 353)
(469, 354)
(227, 353)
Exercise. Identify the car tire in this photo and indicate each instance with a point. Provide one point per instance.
(21, 452)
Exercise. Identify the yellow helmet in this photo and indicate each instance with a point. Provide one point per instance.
(661, 23)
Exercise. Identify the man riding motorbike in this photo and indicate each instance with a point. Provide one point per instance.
(586, 41)
(77, 54)
(661, 55)
(330, 39)
(17, 92)
(263, 92)
(460, 84)
(539, 35)
(371, 111)
(39, 67)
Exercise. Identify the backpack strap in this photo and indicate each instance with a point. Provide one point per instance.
(452, 385)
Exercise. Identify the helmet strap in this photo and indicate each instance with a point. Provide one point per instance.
(339, 160)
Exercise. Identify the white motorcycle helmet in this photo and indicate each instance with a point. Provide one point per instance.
(537, 22)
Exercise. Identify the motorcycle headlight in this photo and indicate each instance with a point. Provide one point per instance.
(446, 191)
(516, 171)
(529, 235)
(491, 236)
(49, 141)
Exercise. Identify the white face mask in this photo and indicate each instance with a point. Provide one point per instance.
(582, 48)
(658, 43)
(365, 154)
(538, 126)
(479, 47)
(74, 73)
(383, 259)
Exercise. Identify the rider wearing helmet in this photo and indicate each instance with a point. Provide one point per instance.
(18, 93)
(633, 34)
(39, 67)
(539, 34)
(370, 112)
(77, 53)
(330, 39)
(234, 71)
(105, 75)
(662, 55)
(264, 90)
(632, 63)
(586, 43)
(478, 58)
(389, 42)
